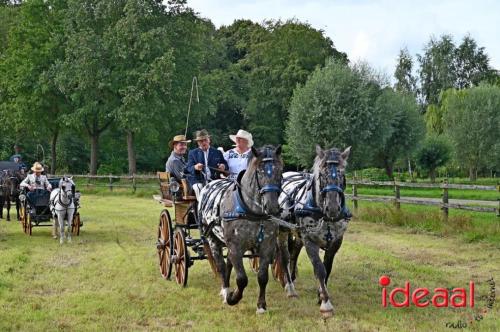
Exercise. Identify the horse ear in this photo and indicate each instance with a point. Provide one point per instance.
(319, 151)
(255, 152)
(346, 153)
(278, 150)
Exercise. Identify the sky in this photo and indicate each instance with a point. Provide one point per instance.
(373, 31)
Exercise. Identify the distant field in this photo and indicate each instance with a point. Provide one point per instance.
(108, 279)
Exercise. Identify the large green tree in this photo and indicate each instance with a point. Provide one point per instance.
(472, 121)
(406, 128)
(337, 107)
(32, 103)
(405, 80)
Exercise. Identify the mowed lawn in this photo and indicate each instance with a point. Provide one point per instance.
(108, 279)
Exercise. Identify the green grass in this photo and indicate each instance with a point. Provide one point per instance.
(108, 279)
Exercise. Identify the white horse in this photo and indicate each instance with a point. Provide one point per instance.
(62, 206)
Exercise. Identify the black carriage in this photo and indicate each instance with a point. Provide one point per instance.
(35, 212)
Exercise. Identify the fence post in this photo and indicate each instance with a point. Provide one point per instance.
(133, 182)
(445, 200)
(397, 195)
(110, 183)
(355, 193)
(88, 181)
(498, 199)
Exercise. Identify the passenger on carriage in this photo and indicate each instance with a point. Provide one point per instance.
(205, 163)
(176, 163)
(237, 158)
(34, 181)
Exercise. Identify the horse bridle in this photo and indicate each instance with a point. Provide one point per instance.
(268, 161)
(332, 165)
(63, 189)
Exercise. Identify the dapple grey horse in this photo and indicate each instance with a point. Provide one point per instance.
(316, 203)
(62, 206)
(237, 214)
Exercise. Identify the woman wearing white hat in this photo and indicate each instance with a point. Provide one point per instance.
(238, 157)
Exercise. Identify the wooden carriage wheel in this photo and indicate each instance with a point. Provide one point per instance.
(180, 258)
(165, 244)
(277, 271)
(254, 263)
(210, 258)
(75, 225)
(22, 212)
(29, 226)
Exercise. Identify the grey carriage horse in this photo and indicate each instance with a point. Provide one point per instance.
(316, 203)
(62, 205)
(237, 215)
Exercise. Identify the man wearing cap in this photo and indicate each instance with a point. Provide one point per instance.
(176, 163)
(204, 162)
(237, 158)
(35, 180)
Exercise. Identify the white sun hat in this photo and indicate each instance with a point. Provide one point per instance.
(243, 134)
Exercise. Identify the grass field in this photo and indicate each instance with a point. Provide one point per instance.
(107, 279)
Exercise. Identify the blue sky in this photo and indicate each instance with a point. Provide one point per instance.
(373, 31)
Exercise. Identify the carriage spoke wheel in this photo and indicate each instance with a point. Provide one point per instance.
(165, 243)
(210, 258)
(180, 258)
(278, 273)
(22, 212)
(29, 226)
(254, 263)
(75, 226)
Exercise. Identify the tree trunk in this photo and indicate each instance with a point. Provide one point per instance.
(94, 146)
(432, 175)
(388, 169)
(132, 162)
(53, 153)
(472, 173)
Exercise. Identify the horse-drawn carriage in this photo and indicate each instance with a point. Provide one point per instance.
(36, 209)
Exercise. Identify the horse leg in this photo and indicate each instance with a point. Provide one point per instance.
(18, 205)
(8, 208)
(329, 256)
(60, 219)
(312, 250)
(1, 206)
(295, 246)
(283, 255)
(69, 215)
(236, 256)
(218, 256)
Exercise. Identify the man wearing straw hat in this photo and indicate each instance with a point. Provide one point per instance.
(176, 163)
(205, 163)
(238, 157)
(35, 180)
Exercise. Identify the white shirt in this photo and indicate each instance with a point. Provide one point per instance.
(237, 162)
(38, 182)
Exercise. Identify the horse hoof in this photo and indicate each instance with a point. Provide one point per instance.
(224, 293)
(260, 311)
(61, 241)
(326, 309)
(290, 291)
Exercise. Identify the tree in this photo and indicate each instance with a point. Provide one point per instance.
(434, 152)
(282, 56)
(337, 107)
(405, 81)
(472, 121)
(86, 74)
(406, 128)
(30, 98)
(471, 64)
(142, 72)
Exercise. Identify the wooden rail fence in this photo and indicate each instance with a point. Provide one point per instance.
(397, 200)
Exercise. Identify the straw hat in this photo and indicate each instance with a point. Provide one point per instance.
(37, 167)
(201, 135)
(178, 139)
(243, 134)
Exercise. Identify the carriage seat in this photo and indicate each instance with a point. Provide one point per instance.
(184, 194)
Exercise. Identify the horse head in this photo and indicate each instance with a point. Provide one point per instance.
(66, 187)
(329, 180)
(265, 169)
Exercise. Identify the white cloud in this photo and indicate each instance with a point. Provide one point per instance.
(373, 30)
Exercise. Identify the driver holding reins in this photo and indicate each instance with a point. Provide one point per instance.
(35, 180)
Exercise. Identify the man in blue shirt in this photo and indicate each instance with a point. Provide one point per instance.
(205, 163)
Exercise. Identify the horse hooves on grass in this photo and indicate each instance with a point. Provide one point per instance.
(326, 309)
(327, 314)
(260, 311)
(231, 300)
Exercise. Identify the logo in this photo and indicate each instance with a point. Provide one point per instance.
(419, 297)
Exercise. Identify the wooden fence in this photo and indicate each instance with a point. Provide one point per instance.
(397, 200)
(444, 203)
